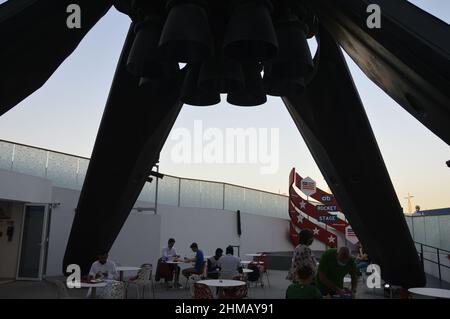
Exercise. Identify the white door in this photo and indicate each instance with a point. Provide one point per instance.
(33, 243)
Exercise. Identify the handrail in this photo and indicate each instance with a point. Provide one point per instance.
(438, 254)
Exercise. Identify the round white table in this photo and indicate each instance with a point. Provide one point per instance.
(93, 286)
(121, 269)
(431, 292)
(175, 262)
(222, 283)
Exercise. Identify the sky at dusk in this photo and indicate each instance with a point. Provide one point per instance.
(65, 114)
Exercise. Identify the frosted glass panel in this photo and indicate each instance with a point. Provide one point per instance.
(432, 231)
(6, 151)
(30, 161)
(168, 191)
(211, 195)
(409, 223)
(444, 230)
(62, 170)
(148, 192)
(83, 165)
(201, 194)
(190, 195)
(419, 229)
(282, 204)
(234, 198)
(253, 202)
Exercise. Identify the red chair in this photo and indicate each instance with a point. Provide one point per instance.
(164, 270)
(239, 292)
(202, 291)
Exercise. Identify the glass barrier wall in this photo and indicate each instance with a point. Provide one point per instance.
(69, 171)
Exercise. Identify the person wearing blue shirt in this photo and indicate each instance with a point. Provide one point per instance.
(198, 259)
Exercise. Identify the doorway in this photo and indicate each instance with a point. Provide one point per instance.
(33, 243)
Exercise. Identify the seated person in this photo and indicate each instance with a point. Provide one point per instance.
(198, 259)
(362, 260)
(333, 267)
(168, 254)
(230, 265)
(103, 268)
(302, 288)
(212, 264)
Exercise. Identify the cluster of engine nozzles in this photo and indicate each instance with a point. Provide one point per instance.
(248, 53)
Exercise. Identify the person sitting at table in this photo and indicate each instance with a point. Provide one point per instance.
(103, 268)
(213, 266)
(303, 288)
(198, 260)
(230, 265)
(333, 267)
(163, 270)
(169, 252)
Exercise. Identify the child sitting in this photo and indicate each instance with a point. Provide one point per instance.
(303, 288)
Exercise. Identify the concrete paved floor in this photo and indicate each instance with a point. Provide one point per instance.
(48, 290)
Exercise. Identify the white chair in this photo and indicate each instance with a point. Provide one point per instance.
(144, 279)
(197, 276)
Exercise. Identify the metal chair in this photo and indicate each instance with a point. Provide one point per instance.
(144, 279)
(239, 292)
(198, 275)
(202, 291)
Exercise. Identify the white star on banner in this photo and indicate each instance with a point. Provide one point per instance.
(331, 239)
(302, 205)
(300, 218)
(316, 231)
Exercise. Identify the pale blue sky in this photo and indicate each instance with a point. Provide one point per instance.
(65, 115)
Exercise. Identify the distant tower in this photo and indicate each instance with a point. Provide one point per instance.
(409, 203)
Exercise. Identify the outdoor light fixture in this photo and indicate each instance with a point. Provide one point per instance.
(226, 45)
(156, 174)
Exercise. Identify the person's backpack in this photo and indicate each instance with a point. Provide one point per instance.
(254, 275)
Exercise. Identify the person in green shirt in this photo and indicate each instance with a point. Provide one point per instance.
(333, 267)
(302, 289)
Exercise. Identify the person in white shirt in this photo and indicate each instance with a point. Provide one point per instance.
(230, 265)
(170, 254)
(103, 268)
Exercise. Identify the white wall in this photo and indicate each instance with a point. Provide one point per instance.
(9, 250)
(144, 234)
(60, 225)
(212, 228)
(24, 188)
(138, 241)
